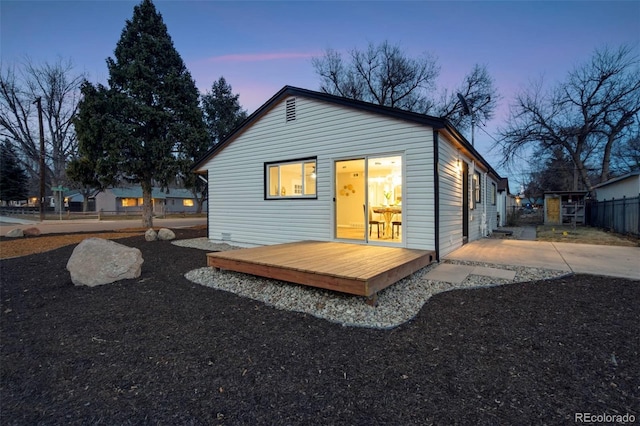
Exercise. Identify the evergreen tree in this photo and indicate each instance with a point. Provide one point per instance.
(141, 123)
(13, 179)
(222, 110)
(222, 114)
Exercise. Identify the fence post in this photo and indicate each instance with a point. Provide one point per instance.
(624, 215)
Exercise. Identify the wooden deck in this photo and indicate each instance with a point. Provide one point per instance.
(349, 268)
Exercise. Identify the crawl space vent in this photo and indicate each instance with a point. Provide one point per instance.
(291, 109)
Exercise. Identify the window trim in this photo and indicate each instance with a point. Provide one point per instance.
(476, 189)
(494, 193)
(292, 195)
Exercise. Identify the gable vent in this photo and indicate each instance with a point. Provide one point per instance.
(291, 109)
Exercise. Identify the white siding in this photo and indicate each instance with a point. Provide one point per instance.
(492, 206)
(629, 187)
(482, 218)
(238, 210)
(450, 175)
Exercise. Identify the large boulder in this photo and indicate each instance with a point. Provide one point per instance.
(31, 232)
(166, 234)
(15, 233)
(150, 235)
(96, 261)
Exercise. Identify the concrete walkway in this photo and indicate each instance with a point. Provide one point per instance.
(613, 261)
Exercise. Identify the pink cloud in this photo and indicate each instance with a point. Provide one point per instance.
(258, 57)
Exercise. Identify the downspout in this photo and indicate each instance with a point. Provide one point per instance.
(436, 193)
(485, 230)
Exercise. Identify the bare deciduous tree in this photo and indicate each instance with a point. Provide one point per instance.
(480, 94)
(385, 75)
(626, 155)
(59, 88)
(587, 115)
(382, 75)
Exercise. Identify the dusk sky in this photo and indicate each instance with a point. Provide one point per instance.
(259, 47)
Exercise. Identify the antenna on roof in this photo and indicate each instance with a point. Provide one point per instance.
(472, 112)
(465, 105)
(468, 111)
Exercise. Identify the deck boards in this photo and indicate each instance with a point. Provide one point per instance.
(349, 268)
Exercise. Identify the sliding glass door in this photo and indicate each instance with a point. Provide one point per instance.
(369, 199)
(350, 199)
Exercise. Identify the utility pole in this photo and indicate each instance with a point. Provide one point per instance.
(38, 101)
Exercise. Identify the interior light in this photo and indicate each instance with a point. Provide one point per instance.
(313, 173)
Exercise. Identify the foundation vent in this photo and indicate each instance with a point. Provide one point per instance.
(226, 236)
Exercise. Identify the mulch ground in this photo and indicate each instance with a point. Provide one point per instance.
(162, 350)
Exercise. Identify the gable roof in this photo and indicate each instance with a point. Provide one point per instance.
(503, 185)
(436, 123)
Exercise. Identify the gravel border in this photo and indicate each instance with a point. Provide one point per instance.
(397, 304)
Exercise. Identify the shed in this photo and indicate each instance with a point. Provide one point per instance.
(564, 207)
(312, 166)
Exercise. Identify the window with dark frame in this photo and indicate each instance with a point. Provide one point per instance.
(476, 190)
(494, 192)
(293, 179)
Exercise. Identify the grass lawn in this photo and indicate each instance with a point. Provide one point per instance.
(583, 235)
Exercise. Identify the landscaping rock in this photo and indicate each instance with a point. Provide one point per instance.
(31, 232)
(15, 233)
(166, 234)
(96, 261)
(150, 235)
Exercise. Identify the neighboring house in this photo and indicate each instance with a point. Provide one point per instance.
(129, 200)
(313, 166)
(507, 203)
(617, 205)
(75, 201)
(627, 186)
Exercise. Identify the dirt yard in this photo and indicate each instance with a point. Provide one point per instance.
(160, 349)
(583, 235)
(14, 247)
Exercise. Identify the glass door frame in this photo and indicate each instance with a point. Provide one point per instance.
(336, 194)
(366, 158)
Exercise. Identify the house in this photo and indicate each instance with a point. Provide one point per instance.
(312, 166)
(617, 205)
(626, 186)
(129, 200)
(507, 202)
